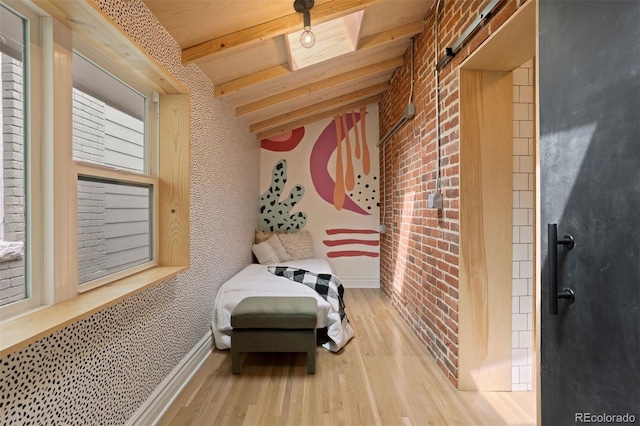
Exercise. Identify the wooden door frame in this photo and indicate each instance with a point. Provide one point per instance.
(514, 43)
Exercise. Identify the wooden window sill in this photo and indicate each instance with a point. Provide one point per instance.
(18, 333)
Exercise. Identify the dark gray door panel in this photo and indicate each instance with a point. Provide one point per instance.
(589, 86)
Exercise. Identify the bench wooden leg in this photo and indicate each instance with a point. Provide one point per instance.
(311, 361)
(235, 361)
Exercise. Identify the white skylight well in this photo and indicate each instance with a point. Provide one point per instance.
(333, 38)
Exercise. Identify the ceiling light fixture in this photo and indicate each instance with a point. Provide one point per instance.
(307, 38)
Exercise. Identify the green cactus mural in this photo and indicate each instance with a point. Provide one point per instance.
(275, 215)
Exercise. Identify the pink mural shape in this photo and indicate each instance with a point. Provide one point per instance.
(353, 117)
(338, 187)
(286, 141)
(330, 140)
(366, 160)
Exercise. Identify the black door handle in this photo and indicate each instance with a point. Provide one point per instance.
(553, 242)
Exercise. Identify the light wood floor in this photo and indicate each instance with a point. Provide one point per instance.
(382, 377)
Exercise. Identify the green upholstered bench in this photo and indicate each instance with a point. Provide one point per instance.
(274, 324)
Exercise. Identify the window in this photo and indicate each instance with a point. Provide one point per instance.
(113, 140)
(14, 59)
(114, 227)
(69, 196)
(113, 143)
(109, 119)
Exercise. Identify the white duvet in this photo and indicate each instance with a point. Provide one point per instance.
(255, 280)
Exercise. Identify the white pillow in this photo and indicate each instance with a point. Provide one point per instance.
(265, 253)
(298, 245)
(281, 252)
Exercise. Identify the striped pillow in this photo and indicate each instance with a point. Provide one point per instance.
(298, 245)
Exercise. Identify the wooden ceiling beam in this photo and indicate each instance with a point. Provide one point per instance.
(281, 25)
(250, 80)
(370, 42)
(320, 85)
(329, 104)
(312, 119)
(384, 37)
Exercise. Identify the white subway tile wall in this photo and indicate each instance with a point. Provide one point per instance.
(523, 233)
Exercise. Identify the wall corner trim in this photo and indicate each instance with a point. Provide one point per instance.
(362, 282)
(168, 390)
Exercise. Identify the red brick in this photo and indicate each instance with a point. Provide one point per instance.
(425, 292)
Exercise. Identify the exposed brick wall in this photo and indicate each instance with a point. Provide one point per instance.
(88, 128)
(92, 257)
(88, 145)
(420, 252)
(12, 282)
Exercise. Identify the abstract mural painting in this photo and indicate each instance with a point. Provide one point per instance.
(333, 163)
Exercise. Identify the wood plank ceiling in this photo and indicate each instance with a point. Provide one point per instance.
(242, 47)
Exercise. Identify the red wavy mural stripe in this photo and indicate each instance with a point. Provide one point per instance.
(283, 142)
(350, 231)
(352, 253)
(333, 243)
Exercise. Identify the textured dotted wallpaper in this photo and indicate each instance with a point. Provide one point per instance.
(101, 369)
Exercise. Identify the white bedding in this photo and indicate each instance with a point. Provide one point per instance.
(255, 280)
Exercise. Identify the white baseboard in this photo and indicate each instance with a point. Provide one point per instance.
(154, 407)
(360, 282)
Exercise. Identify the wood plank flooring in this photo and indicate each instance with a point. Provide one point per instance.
(382, 377)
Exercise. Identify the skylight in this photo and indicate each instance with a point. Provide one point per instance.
(333, 38)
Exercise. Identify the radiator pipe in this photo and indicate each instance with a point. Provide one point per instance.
(409, 109)
(409, 112)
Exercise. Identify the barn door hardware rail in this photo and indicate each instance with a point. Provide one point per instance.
(450, 52)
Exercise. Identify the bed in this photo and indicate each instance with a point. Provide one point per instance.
(256, 280)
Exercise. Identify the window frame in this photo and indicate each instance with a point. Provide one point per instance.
(32, 148)
(93, 55)
(149, 176)
(111, 175)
